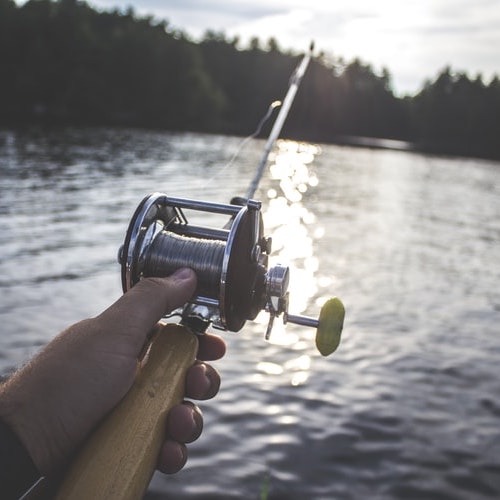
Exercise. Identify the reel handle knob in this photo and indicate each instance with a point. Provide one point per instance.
(328, 326)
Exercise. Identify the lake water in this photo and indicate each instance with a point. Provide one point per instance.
(407, 408)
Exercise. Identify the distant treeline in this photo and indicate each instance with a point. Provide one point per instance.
(63, 62)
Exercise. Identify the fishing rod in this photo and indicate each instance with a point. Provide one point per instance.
(280, 119)
(234, 284)
(294, 84)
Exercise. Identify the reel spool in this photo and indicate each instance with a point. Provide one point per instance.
(234, 282)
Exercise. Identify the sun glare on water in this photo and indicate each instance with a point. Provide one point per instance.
(292, 227)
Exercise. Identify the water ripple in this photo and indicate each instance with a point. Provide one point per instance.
(408, 405)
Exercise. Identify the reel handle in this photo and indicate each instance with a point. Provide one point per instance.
(328, 326)
(118, 460)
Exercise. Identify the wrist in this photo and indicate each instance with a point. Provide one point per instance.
(22, 417)
(18, 472)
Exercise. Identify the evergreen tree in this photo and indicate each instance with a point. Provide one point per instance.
(64, 62)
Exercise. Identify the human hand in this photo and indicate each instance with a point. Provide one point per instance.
(57, 399)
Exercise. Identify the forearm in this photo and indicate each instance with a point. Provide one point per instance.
(17, 470)
(21, 439)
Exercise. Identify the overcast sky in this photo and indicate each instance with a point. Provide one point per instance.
(414, 39)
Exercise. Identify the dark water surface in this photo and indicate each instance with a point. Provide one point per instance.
(409, 406)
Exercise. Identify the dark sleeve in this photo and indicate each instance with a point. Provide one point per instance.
(17, 471)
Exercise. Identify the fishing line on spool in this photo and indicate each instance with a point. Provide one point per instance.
(170, 251)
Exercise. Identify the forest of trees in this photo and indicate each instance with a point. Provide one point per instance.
(63, 62)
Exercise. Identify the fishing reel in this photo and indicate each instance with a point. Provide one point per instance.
(231, 263)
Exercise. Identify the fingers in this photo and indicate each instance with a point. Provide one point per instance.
(210, 347)
(185, 424)
(185, 421)
(136, 312)
(202, 381)
(151, 298)
(172, 458)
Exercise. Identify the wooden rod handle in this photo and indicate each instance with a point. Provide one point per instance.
(119, 458)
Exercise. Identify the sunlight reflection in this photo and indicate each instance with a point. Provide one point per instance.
(269, 368)
(280, 336)
(288, 419)
(301, 363)
(299, 378)
(272, 409)
(300, 366)
(293, 230)
(290, 168)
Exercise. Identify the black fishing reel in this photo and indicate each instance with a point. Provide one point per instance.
(234, 281)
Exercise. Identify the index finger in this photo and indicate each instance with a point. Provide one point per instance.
(210, 347)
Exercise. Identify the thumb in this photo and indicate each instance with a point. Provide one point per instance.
(140, 308)
(151, 298)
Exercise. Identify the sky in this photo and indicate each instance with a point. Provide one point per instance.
(413, 39)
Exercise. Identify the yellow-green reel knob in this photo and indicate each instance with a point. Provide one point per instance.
(330, 324)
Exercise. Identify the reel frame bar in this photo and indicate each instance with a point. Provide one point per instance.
(203, 206)
(202, 232)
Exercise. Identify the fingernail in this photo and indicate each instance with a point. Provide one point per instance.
(198, 422)
(183, 274)
(206, 384)
(184, 455)
(197, 416)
